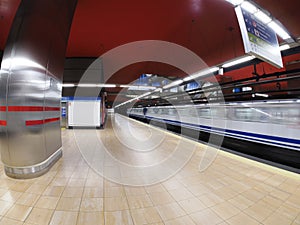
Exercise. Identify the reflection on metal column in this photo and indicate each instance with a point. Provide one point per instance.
(30, 86)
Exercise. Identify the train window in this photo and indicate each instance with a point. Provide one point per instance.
(155, 110)
(244, 113)
(172, 112)
(165, 111)
(294, 115)
(193, 112)
(204, 112)
(286, 115)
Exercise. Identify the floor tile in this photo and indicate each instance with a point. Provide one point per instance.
(160, 198)
(93, 192)
(191, 205)
(260, 211)
(118, 218)
(277, 219)
(148, 215)
(206, 217)
(76, 182)
(186, 220)
(253, 195)
(170, 211)
(225, 210)
(63, 218)
(4, 207)
(242, 218)
(288, 211)
(180, 194)
(55, 191)
(133, 191)
(241, 202)
(90, 218)
(91, 204)
(114, 192)
(18, 212)
(72, 192)
(28, 199)
(210, 199)
(7, 221)
(39, 216)
(47, 202)
(115, 204)
(36, 189)
(68, 204)
(139, 201)
(11, 196)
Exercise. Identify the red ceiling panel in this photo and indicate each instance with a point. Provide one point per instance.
(207, 27)
(199, 25)
(8, 9)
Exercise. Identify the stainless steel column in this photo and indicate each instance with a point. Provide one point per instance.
(30, 87)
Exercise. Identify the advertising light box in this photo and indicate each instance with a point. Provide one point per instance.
(84, 112)
(259, 39)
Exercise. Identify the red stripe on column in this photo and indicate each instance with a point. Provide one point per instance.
(52, 108)
(40, 122)
(25, 108)
(3, 123)
(52, 120)
(31, 108)
(34, 122)
(2, 108)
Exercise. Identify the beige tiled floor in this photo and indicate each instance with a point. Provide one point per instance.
(233, 190)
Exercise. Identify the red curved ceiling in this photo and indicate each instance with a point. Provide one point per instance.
(203, 26)
(8, 10)
(207, 27)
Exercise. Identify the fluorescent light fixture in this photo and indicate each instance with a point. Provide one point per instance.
(214, 69)
(136, 87)
(68, 85)
(97, 85)
(235, 2)
(260, 95)
(142, 88)
(221, 71)
(279, 30)
(246, 88)
(107, 85)
(238, 61)
(86, 85)
(144, 95)
(125, 86)
(177, 82)
(201, 73)
(262, 17)
(249, 7)
(284, 47)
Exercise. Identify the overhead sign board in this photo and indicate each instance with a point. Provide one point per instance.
(259, 39)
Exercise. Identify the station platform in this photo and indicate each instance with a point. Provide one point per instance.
(228, 190)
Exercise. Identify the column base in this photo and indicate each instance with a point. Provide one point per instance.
(33, 171)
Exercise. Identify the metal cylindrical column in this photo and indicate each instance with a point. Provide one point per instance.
(30, 86)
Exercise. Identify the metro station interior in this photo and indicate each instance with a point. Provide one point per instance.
(149, 112)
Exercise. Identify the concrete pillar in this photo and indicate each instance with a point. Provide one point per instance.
(30, 86)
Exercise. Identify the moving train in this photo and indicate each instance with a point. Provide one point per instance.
(268, 130)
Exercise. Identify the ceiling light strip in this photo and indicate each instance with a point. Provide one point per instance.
(238, 61)
(263, 16)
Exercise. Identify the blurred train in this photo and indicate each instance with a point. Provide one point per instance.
(268, 130)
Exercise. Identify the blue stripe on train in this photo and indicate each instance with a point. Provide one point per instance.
(234, 133)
